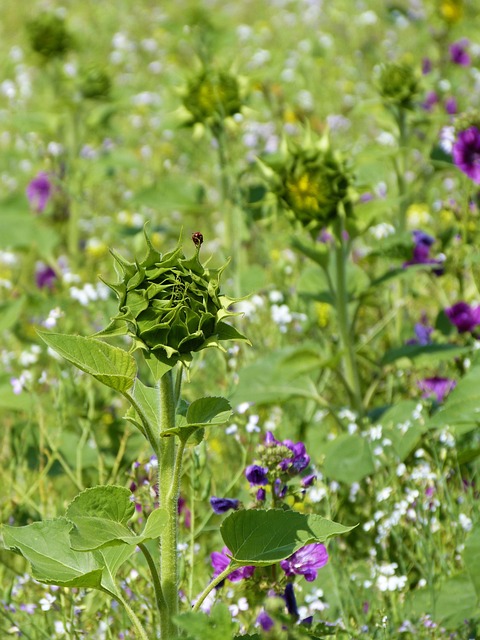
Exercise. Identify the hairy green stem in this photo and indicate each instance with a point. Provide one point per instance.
(341, 300)
(168, 498)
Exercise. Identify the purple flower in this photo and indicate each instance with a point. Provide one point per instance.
(422, 334)
(430, 101)
(265, 621)
(463, 316)
(451, 107)
(222, 505)
(466, 153)
(306, 561)
(39, 191)
(45, 276)
(437, 387)
(298, 461)
(261, 495)
(421, 251)
(459, 54)
(307, 481)
(426, 66)
(256, 475)
(220, 562)
(290, 600)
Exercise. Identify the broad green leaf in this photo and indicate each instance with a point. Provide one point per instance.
(264, 537)
(461, 409)
(112, 559)
(157, 367)
(201, 413)
(218, 625)
(147, 399)
(455, 601)
(401, 427)
(427, 352)
(209, 411)
(46, 545)
(20, 229)
(348, 459)
(10, 313)
(100, 517)
(471, 558)
(274, 379)
(12, 401)
(110, 365)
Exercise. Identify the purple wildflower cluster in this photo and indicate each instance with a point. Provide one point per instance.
(421, 252)
(466, 153)
(463, 316)
(39, 191)
(279, 461)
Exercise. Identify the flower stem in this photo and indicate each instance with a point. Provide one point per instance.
(401, 119)
(141, 633)
(220, 578)
(232, 230)
(168, 499)
(341, 300)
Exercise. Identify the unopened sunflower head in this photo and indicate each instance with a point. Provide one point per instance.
(311, 182)
(95, 83)
(171, 305)
(211, 96)
(398, 84)
(49, 36)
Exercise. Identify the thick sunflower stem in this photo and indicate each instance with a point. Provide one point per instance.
(341, 298)
(168, 499)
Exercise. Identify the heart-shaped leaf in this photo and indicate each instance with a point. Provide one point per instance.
(264, 537)
(46, 545)
(110, 365)
(100, 517)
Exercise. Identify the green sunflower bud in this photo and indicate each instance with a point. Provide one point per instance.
(398, 84)
(171, 305)
(95, 83)
(49, 36)
(311, 182)
(212, 96)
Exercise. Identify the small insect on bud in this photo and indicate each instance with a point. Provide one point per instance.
(197, 238)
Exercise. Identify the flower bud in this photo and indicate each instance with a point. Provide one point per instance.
(95, 83)
(398, 84)
(212, 96)
(49, 36)
(171, 305)
(311, 182)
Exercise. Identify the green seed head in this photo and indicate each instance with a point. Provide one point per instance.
(95, 83)
(49, 36)
(172, 305)
(311, 182)
(398, 84)
(212, 96)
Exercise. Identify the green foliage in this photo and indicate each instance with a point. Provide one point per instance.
(262, 538)
(218, 625)
(110, 365)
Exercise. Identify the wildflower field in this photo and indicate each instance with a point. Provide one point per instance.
(240, 319)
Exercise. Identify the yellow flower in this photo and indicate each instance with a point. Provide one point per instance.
(451, 10)
(418, 214)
